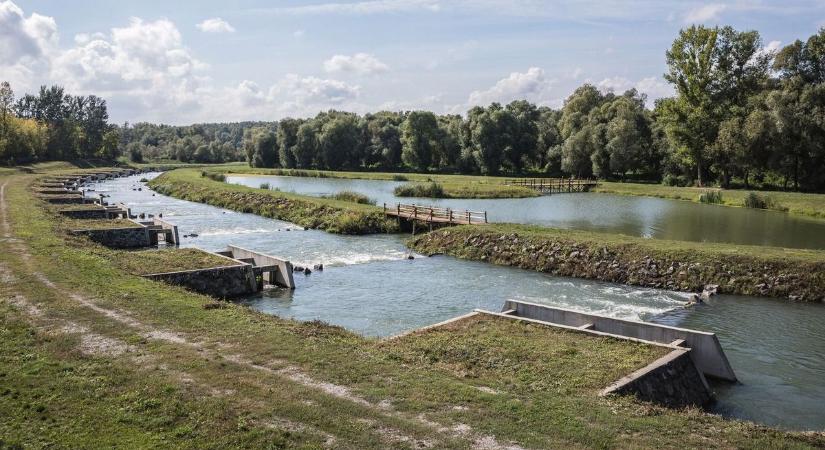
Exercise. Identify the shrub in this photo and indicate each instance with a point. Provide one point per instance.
(400, 178)
(214, 176)
(432, 190)
(355, 197)
(264, 186)
(760, 201)
(674, 180)
(711, 197)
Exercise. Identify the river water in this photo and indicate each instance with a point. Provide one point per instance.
(633, 216)
(369, 286)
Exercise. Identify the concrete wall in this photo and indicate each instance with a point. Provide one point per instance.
(706, 350)
(672, 381)
(96, 213)
(221, 282)
(132, 237)
(281, 277)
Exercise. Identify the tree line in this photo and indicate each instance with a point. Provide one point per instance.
(741, 115)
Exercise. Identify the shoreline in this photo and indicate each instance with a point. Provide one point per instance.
(797, 275)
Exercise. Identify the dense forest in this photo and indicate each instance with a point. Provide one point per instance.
(742, 115)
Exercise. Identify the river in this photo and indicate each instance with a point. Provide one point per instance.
(369, 286)
(634, 216)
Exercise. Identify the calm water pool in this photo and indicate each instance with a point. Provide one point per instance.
(634, 216)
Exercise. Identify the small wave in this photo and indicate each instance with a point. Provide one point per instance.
(228, 231)
(351, 259)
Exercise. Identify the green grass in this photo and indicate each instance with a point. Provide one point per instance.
(95, 224)
(811, 205)
(679, 265)
(164, 394)
(335, 216)
(430, 189)
(353, 197)
(168, 260)
(455, 186)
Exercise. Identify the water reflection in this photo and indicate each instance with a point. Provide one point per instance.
(634, 216)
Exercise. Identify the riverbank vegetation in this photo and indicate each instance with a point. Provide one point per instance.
(167, 369)
(335, 216)
(675, 265)
(354, 197)
(798, 203)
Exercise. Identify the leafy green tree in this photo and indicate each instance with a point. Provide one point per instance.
(339, 141)
(419, 138)
(287, 138)
(306, 145)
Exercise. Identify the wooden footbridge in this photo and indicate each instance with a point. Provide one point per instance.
(432, 215)
(554, 185)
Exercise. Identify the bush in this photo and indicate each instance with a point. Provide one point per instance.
(264, 186)
(214, 176)
(711, 197)
(355, 197)
(400, 178)
(760, 201)
(432, 190)
(675, 180)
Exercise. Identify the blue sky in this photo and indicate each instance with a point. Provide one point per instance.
(185, 62)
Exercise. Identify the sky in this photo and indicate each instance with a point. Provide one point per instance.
(179, 62)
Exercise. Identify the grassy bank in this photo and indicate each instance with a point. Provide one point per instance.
(335, 216)
(811, 205)
(97, 357)
(454, 186)
(167, 260)
(737, 269)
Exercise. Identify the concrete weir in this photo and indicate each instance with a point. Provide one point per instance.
(142, 234)
(706, 351)
(244, 273)
(676, 379)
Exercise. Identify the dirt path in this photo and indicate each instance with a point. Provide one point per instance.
(113, 347)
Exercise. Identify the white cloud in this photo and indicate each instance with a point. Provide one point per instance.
(532, 85)
(653, 87)
(361, 63)
(298, 34)
(215, 25)
(26, 44)
(314, 90)
(705, 13)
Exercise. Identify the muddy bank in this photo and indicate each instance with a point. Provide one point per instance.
(745, 270)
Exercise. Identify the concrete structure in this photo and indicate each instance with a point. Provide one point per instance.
(671, 380)
(706, 351)
(245, 272)
(233, 280)
(272, 269)
(157, 228)
(118, 237)
(676, 379)
(143, 234)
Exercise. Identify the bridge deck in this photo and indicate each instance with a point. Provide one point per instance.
(432, 214)
(554, 185)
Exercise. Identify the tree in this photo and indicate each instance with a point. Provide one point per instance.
(339, 141)
(287, 137)
(6, 102)
(419, 137)
(523, 136)
(306, 145)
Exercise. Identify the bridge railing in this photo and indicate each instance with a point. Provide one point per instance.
(436, 214)
(553, 184)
